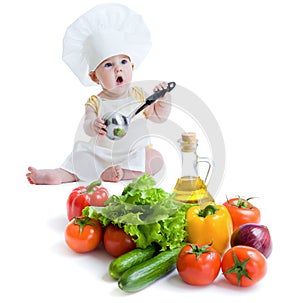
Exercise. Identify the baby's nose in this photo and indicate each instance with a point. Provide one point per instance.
(118, 67)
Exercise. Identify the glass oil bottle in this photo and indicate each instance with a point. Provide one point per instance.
(190, 188)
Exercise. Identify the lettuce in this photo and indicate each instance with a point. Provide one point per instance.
(149, 214)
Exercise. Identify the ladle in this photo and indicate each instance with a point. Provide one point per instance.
(117, 124)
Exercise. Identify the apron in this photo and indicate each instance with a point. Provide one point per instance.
(92, 155)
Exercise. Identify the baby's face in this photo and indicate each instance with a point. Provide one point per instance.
(114, 72)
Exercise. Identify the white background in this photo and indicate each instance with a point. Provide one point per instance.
(240, 57)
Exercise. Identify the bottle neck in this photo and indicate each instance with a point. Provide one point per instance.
(189, 164)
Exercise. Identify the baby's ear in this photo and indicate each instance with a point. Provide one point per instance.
(93, 77)
(132, 66)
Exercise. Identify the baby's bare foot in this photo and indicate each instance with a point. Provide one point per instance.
(49, 176)
(112, 174)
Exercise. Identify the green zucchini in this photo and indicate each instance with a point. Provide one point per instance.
(142, 275)
(127, 260)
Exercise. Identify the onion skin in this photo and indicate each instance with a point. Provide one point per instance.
(253, 235)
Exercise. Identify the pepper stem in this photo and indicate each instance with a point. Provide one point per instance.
(208, 211)
(90, 188)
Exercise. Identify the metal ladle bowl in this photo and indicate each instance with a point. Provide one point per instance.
(117, 124)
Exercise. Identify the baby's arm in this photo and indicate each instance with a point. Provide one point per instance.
(160, 110)
(93, 125)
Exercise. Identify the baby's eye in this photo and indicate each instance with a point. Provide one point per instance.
(124, 61)
(107, 64)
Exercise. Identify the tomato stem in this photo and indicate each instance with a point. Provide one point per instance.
(239, 268)
(82, 222)
(243, 203)
(198, 250)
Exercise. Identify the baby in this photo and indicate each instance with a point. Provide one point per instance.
(110, 53)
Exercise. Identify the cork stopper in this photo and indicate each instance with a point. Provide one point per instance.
(188, 142)
(189, 137)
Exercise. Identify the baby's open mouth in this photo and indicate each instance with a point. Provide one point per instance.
(119, 80)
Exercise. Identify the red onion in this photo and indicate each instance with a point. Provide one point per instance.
(254, 235)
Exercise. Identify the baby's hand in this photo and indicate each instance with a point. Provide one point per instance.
(99, 126)
(161, 86)
(159, 110)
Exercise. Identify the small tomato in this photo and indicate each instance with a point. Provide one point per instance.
(83, 234)
(198, 264)
(116, 242)
(243, 265)
(242, 211)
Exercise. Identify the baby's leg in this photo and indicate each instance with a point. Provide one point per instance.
(131, 174)
(112, 174)
(116, 174)
(49, 176)
(154, 161)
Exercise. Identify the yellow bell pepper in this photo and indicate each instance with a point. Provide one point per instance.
(209, 224)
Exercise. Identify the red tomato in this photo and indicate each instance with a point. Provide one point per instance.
(83, 196)
(242, 211)
(243, 265)
(83, 234)
(116, 242)
(198, 264)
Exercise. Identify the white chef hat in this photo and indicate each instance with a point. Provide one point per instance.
(102, 32)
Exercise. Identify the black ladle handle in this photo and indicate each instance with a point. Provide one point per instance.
(159, 94)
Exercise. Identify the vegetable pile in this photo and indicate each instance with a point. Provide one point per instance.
(146, 213)
(150, 234)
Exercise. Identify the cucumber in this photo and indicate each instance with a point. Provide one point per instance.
(142, 275)
(127, 260)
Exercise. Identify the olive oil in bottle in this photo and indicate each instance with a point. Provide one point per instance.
(190, 188)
